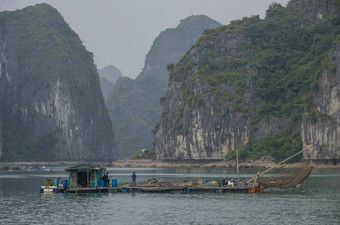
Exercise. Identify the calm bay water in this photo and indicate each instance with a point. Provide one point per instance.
(317, 201)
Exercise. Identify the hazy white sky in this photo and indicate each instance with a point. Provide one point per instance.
(121, 32)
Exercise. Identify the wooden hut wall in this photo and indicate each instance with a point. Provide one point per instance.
(93, 177)
(98, 175)
(72, 179)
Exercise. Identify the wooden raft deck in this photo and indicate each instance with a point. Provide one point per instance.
(152, 189)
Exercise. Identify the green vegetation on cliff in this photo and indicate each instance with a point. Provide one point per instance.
(288, 59)
(42, 27)
(279, 147)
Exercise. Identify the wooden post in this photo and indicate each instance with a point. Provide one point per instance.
(87, 177)
(237, 167)
(257, 176)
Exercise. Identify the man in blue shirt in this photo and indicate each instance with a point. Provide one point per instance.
(133, 179)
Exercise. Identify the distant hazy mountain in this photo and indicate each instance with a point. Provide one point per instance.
(110, 73)
(134, 105)
(108, 77)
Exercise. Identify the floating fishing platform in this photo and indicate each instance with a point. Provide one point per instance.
(155, 186)
(129, 189)
(86, 178)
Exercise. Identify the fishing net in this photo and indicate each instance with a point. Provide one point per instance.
(288, 177)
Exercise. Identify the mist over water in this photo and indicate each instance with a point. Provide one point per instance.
(317, 201)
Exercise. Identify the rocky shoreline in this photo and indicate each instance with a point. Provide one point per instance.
(171, 164)
(207, 164)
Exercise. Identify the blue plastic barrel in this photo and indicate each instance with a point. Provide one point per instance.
(101, 183)
(65, 184)
(114, 182)
(56, 182)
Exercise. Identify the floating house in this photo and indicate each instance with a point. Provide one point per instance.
(84, 176)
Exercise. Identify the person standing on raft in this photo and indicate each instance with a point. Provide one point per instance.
(106, 180)
(133, 178)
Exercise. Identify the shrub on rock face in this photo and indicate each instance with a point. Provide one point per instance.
(145, 154)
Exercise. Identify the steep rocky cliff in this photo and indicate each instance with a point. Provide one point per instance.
(134, 104)
(51, 104)
(106, 86)
(265, 85)
(0, 143)
(323, 132)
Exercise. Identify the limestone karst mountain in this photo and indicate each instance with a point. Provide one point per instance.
(51, 103)
(266, 86)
